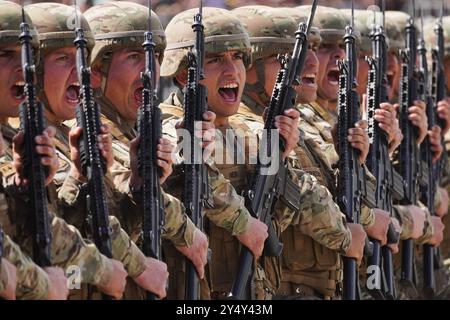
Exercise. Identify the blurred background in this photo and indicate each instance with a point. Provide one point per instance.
(166, 9)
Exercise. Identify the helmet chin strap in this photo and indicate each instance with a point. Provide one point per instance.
(258, 86)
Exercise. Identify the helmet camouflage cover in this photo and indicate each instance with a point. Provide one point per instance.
(271, 31)
(56, 25)
(364, 23)
(302, 16)
(10, 20)
(331, 23)
(395, 29)
(430, 36)
(223, 32)
(122, 24)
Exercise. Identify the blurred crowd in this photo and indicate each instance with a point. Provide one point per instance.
(166, 9)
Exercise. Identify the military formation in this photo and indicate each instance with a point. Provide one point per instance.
(99, 201)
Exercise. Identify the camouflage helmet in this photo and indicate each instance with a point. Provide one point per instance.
(10, 20)
(395, 29)
(223, 32)
(271, 32)
(430, 35)
(122, 24)
(302, 16)
(56, 25)
(364, 23)
(331, 23)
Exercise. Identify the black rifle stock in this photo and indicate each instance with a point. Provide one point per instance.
(196, 185)
(267, 188)
(379, 162)
(409, 150)
(149, 133)
(32, 124)
(352, 184)
(92, 164)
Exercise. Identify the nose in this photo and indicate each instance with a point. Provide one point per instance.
(338, 53)
(311, 59)
(229, 65)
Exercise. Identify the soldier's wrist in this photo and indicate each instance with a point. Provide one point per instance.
(241, 224)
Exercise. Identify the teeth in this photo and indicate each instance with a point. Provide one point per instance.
(230, 86)
(19, 83)
(75, 84)
(310, 75)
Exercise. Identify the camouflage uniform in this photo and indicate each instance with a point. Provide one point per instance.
(111, 36)
(310, 259)
(68, 248)
(53, 22)
(430, 40)
(223, 32)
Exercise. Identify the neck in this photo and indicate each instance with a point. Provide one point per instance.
(3, 119)
(255, 98)
(52, 118)
(221, 121)
(323, 102)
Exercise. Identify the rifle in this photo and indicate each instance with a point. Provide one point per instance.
(266, 188)
(32, 124)
(409, 150)
(353, 187)
(196, 185)
(431, 257)
(379, 162)
(92, 164)
(149, 133)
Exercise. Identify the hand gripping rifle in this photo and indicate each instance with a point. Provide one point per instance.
(32, 124)
(389, 183)
(352, 183)
(266, 188)
(431, 257)
(92, 164)
(196, 185)
(409, 150)
(149, 133)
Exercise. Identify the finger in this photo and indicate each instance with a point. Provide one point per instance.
(50, 131)
(44, 140)
(165, 148)
(292, 114)
(209, 116)
(387, 107)
(105, 129)
(74, 135)
(45, 151)
(286, 127)
(362, 124)
(286, 120)
(166, 156)
(358, 145)
(420, 104)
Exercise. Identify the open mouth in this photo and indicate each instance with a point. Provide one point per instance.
(138, 94)
(309, 79)
(18, 90)
(229, 92)
(333, 77)
(73, 93)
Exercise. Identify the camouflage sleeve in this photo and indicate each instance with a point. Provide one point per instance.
(319, 216)
(71, 195)
(429, 229)
(367, 218)
(403, 215)
(228, 210)
(405, 218)
(70, 249)
(125, 250)
(32, 281)
(178, 228)
(3, 276)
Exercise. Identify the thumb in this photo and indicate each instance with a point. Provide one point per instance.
(74, 135)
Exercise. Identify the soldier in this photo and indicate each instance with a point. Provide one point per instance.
(322, 280)
(119, 66)
(68, 248)
(60, 100)
(226, 60)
